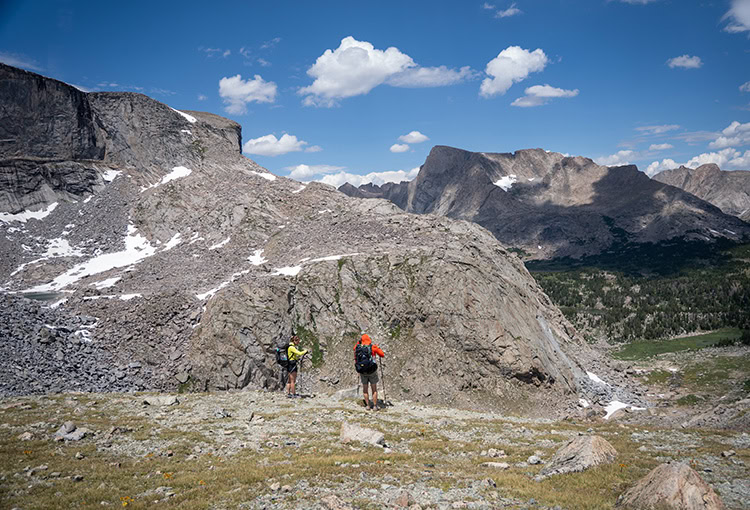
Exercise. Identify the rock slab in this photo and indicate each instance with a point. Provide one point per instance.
(350, 432)
(672, 486)
(578, 455)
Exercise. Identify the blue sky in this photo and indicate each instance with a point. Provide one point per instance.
(361, 91)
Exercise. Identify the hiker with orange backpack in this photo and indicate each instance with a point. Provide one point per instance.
(364, 363)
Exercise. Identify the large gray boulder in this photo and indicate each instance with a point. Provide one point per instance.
(671, 486)
(579, 454)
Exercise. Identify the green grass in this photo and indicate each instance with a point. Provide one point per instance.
(641, 350)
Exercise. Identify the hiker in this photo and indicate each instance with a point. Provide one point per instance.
(293, 354)
(364, 363)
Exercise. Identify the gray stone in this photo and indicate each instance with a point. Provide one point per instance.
(671, 486)
(496, 465)
(579, 454)
(182, 377)
(161, 400)
(355, 433)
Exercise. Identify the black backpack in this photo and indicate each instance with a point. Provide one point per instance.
(364, 363)
(282, 355)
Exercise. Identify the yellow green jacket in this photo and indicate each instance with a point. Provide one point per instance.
(294, 354)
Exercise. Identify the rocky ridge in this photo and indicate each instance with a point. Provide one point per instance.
(729, 191)
(194, 262)
(551, 205)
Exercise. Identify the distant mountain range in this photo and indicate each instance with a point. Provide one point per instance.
(729, 191)
(550, 205)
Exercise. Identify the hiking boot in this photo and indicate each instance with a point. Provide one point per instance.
(289, 395)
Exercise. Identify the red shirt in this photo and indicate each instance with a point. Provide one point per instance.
(365, 340)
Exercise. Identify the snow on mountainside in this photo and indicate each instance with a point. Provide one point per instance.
(174, 260)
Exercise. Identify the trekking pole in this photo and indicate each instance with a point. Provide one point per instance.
(382, 376)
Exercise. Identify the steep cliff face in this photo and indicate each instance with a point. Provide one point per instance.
(729, 191)
(50, 144)
(555, 206)
(192, 262)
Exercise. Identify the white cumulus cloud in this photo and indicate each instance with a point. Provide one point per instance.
(511, 65)
(738, 17)
(656, 167)
(399, 147)
(236, 92)
(305, 172)
(419, 77)
(378, 178)
(269, 145)
(734, 135)
(357, 67)
(685, 62)
(617, 159)
(745, 87)
(413, 137)
(540, 94)
(728, 159)
(660, 147)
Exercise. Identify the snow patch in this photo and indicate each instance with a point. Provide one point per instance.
(61, 248)
(506, 182)
(595, 378)
(176, 239)
(615, 406)
(221, 285)
(195, 238)
(532, 179)
(256, 258)
(300, 189)
(333, 257)
(733, 233)
(325, 211)
(189, 118)
(136, 249)
(219, 245)
(288, 271)
(583, 403)
(268, 176)
(186, 131)
(88, 199)
(24, 216)
(109, 176)
(176, 173)
(109, 282)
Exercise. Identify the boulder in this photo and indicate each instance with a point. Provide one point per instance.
(69, 432)
(161, 400)
(671, 486)
(346, 393)
(350, 432)
(579, 454)
(496, 465)
(333, 502)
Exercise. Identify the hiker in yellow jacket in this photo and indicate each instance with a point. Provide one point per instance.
(293, 354)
